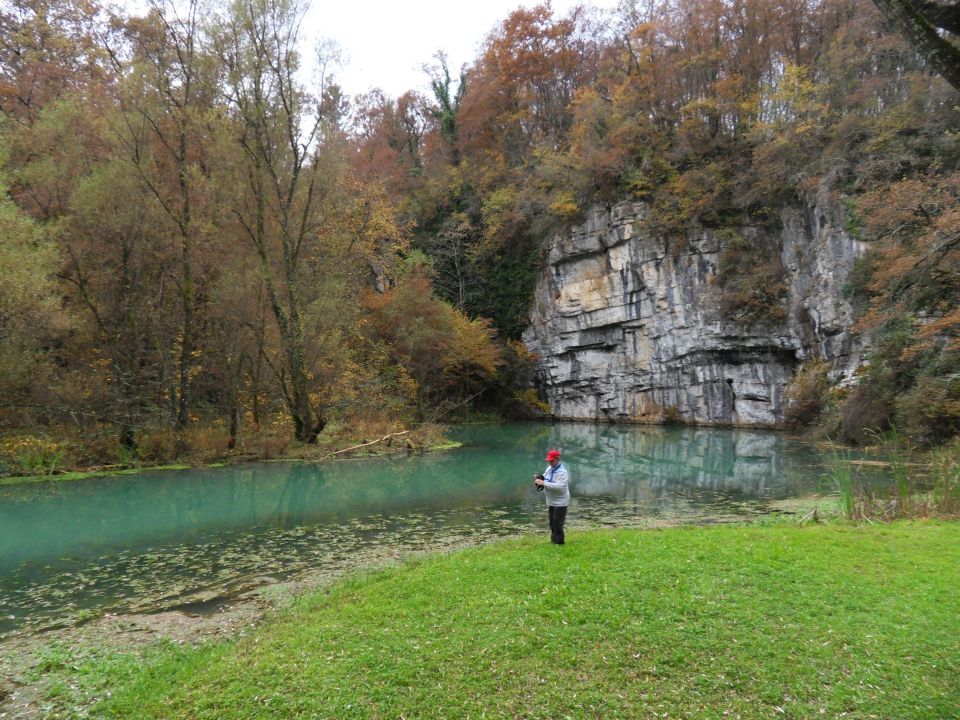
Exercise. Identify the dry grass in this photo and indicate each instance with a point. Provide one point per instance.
(928, 488)
(67, 451)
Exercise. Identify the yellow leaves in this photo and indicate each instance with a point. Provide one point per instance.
(439, 350)
(794, 98)
(565, 206)
(473, 349)
(528, 398)
(496, 211)
(521, 351)
(33, 454)
(14, 444)
(700, 109)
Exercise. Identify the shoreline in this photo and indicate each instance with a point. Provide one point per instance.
(313, 454)
(69, 476)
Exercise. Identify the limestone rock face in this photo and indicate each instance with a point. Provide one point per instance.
(627, 325)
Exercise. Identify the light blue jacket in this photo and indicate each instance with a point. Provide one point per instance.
(556, 486)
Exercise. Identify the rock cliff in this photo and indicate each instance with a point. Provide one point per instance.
(627, 324)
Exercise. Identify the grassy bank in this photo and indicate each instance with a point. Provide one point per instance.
(755, 622)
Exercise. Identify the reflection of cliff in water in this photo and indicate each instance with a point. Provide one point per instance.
(647, 462)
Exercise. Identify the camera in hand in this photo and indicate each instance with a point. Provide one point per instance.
(539, 476)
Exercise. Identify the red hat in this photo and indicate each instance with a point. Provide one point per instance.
(553, 455)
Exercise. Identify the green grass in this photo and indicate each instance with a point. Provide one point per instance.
(721, 622)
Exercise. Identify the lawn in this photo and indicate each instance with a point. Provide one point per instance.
(702, 622)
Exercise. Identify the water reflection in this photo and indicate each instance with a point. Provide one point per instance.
(68, 547)
(626, 460)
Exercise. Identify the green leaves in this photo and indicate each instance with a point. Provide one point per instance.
(30, 311)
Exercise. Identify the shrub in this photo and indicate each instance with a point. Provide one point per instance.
(525, 405)
(448, 356)
(97, 449)
(751, 279)
(272, 447)
(32, 455)
(806, 395)
(931, 410)
(903, 488)
(864, 413)
(206, 442)
(160, 446)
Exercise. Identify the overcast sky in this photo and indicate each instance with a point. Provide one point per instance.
(386, 43)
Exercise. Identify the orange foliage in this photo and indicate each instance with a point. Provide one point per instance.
(914, 224)
(49, 49)
(388, 135)
(520, 89)
(448, 355)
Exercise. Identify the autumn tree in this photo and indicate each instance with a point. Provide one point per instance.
(31, 315)
(388, 136)
(316, 232)
(165, 101)
(54, 58)
(278, 131)
(479, 217)
(448, 356)
(520, 89)
(117, 260)
(49, 49)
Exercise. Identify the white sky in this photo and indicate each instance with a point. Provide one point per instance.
(386, 43)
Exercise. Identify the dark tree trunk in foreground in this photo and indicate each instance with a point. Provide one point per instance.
(919, 21)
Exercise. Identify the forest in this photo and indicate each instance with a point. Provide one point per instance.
(206, 250)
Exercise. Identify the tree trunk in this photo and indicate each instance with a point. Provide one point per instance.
(234, 424)
(187, 294)
(126, 437)
(941, 53)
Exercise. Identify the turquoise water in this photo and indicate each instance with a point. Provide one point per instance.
(72, 549)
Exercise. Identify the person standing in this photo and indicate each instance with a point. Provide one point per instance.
(555, 482)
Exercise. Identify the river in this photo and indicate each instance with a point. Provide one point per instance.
(71, 550)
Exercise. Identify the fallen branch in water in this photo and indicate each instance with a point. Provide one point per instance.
(357, 447)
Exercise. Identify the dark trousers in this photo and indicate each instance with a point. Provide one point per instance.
(557, 516)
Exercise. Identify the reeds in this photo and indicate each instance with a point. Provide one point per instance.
(897, 488)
